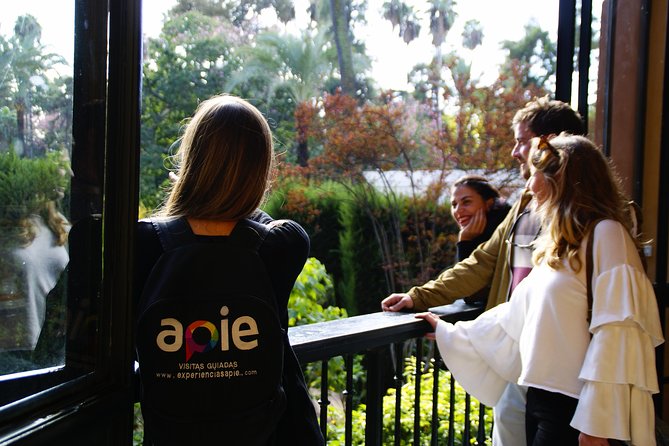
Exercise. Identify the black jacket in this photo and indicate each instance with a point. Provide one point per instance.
(284, 253)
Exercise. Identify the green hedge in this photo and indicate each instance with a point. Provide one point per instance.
(27, 184)
(372, 244)
(317, 209)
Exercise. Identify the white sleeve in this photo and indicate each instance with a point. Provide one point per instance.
(618, 411)
(619, 368)
(480, 354)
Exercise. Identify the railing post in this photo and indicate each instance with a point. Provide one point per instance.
(398, 380)
(466, 431)
(480, 437)
(375, 392)
(419, 374)
(348, 394)
(435, 396)
(324, 401)
(451, 413)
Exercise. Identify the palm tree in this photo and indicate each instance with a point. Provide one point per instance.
(335, 18)
(341, 28)
(297, 65)
(24, 63)
(404, 17)
(442, 16)
(472, 36)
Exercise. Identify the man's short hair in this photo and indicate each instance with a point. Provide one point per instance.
(544, 116)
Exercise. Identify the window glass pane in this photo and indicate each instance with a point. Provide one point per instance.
(36, 114)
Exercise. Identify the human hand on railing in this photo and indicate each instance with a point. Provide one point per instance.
(433, 319)
(397, 302)
(474, 227)
(588, 440)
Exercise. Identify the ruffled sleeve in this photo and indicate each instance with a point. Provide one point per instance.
(481, 354)
(618, 372)
(624, 293)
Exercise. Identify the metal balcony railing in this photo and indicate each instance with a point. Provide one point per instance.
(381, 338)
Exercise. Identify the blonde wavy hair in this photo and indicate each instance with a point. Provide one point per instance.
(55, 221)
(224, 162)
(583, 188)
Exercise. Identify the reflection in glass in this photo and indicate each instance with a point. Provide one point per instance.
(33, 254)
(35, 144)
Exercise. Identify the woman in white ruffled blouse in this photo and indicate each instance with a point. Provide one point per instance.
(589, 379)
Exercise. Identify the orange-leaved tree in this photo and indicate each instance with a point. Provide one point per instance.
(366, 148)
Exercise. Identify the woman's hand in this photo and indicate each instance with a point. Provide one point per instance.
(432, 318)
(474, 227)
(589, 440)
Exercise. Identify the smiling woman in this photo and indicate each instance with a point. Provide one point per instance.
(478, 209)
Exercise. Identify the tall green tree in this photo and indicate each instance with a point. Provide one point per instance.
(442, 15)
(341, 28)
(298, 64)
(241, 13)
(192, 60)
(54, 99)
(535, 53)
(338, 18)
(24, 64)
(293, 66)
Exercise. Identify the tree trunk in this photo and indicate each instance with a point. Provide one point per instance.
(341, 20)
(20, 126)
(302, 153)
(302, 121)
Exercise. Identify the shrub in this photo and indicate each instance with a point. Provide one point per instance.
(366, 275)
(336, 414)
(317, 210)
(26, 185)
(312, 297)
(371, 243)
(443, 408)
(390, 243)
(311, 301)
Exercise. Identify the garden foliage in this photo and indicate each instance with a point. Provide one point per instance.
(26, 184)
(372, 244)
(310, 302)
